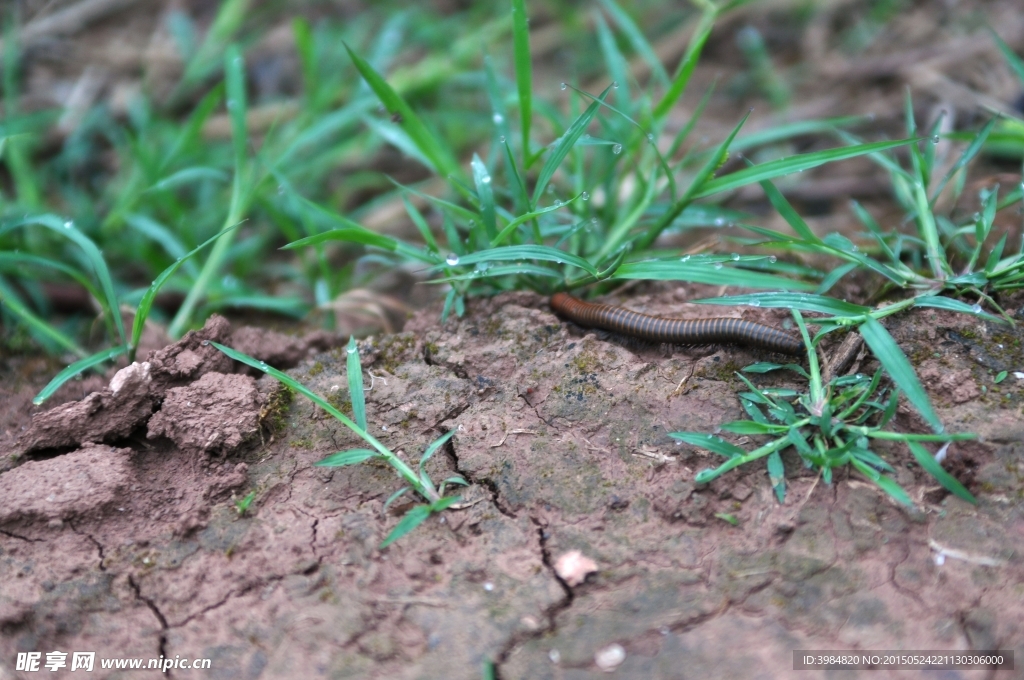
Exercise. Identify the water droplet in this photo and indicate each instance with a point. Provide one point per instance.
(486, 179)
(735, 257)
(498, 119)
(650, 137)
(773, 259)
(615, 84)
(718, 265)
(501, 139)
(935, 139)
(684, 258)
(617, 149)
(472, 223)
(351, 350)
(488, 586)
(719, 221)
(755, 303)
(205, 343)
(563, 86)
(557, 203)
(593, 220)
(69, 224)
(585, 196)
(452, 259)
(855, 248)
(976, 308)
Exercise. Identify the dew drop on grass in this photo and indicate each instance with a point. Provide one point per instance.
(205, 343)
(719, 221)
(935, 139)
(69, 224)
(486, 179)
(773, 259)
(452, 259)
(501, 139)
(498, 119)
(755, 303)
(976, 308)
(563, 86)
(684, 258)
(585, 196)
(650, 137)
(735, 257)
(718, 265)
(617, 149)
(615, 84)
(351, 350)
(557, 203)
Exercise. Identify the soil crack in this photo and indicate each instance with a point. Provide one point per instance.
(156, 612)
(550, 613)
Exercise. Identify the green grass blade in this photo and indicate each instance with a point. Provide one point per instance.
(687, 63)
(93, 256)
(440, 158)
(482, 179)
(615, 62)
(189, 176)
(234, 74)
(665, 270)
(431, 450)
(10, 259)
(636, 39)
(966, 157)
(565, 144)
(700, 180)
(798, 163)
(42, 329)
(899, 369)
(952, 305)
(1015, 63)
(528, 252)
(932, 466)
(710, 442)
(789, 213)
(416, 516)
(524, 76)
(350, 457)
(76, 368)
(777, 475)
(509, 228)
(884, 483)
(146, 303)
(354, 372)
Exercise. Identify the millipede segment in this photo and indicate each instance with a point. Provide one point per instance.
(678, 331)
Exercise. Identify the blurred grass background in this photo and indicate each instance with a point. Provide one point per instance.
(119, 120)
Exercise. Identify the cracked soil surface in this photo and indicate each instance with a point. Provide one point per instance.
(119, 533)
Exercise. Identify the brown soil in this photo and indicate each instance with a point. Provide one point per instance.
(134, 547)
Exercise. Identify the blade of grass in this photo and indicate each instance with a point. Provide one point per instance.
(146, 303)
(932, 466)
(440, 157)
(663, 270)
(524, 77)
(354, 372)
(234, 73)
(687, 63)
(899, 369)
(76, 368)
(565, 143)
(93, 256)
(797, 163)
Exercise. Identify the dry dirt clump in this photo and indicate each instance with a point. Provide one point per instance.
(582, 543)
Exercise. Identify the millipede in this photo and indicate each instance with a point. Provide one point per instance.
(678, 331)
